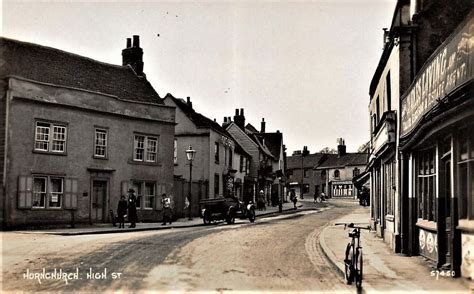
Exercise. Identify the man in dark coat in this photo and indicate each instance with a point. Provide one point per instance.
(132, 208)
(122, 211)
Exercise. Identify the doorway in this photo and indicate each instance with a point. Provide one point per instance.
(99, 199)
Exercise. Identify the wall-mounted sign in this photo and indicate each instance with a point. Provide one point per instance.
(451, 66)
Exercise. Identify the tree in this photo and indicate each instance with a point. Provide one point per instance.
(328, 150)
(364, 147)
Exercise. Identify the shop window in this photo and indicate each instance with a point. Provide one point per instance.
(425, 184)
(242, 164)
(50, 137)
(389, 180)
(100, 143)
(466, 173)
(47, 192)
(230, 157)
(145, 148)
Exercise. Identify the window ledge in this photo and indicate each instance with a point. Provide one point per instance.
(100, 157)
(144, 163)
(466, 225)
(50, 152)
(427, 225)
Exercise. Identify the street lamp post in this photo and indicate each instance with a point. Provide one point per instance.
(190, 155)
(303, 154)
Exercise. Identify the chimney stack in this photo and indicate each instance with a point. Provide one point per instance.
(133, 56)
(341, 147)
(188, 101)
(262, 126)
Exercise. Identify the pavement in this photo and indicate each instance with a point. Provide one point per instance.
(384, 270)
(107, 228)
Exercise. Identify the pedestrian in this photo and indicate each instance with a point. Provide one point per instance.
(132, 208)
(167, 212)
(293, 198)
(261, 200)
(315, 196)
(323, 196)
(122, 211)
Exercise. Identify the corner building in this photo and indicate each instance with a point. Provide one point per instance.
(78, 133)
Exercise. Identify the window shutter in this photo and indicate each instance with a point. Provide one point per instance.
(70, 193)
(25, 192)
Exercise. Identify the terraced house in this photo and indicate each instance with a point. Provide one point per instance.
(77, 133)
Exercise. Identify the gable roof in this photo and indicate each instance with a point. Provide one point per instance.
(348, 159)
(273, 141)
(198, 119)
(250, 129)
(261, 145)
(311, 160)
(61, 68)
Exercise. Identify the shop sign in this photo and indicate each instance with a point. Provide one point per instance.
(442, 73)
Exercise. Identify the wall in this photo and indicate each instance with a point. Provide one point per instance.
(82, 111)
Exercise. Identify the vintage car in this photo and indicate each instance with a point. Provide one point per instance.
(227, 209)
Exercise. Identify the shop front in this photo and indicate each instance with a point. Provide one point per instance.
(437, 157)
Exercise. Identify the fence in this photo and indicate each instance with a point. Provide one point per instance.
(199, 190)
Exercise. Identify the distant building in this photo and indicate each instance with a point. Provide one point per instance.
(76, 134)
(218, 157)
(314, 181)
(340, 169)
(331, 174)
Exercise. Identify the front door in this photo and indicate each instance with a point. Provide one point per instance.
(99, 201)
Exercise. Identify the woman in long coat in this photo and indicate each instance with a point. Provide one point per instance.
(132, 208)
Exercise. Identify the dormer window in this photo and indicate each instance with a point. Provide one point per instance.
(336, 174)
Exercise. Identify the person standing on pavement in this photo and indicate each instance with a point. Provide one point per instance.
(122, 211)
(132, 208)
(293, 198)
(261, 200)
(323, 196)
(167, 213)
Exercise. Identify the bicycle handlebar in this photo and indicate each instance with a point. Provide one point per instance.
(353, 225)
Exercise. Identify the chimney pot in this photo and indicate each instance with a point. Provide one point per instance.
(241, 112)
(262, 126)
(225, 119)
(236, 112)
(136, 41)
(129, 42)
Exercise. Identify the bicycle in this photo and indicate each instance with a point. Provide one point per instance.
(353, 262)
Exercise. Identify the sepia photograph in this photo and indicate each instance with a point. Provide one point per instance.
(248, 146)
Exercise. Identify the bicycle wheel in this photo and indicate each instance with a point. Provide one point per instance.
(348, 264)
(359, 267)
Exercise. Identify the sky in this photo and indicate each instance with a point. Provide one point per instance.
(304, 66)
